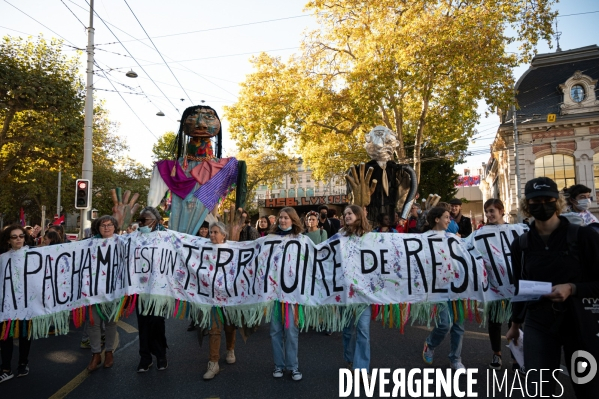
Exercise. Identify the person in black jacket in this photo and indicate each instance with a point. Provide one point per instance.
(464, 223)
(567, 256)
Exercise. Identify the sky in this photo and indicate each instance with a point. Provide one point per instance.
(207, 46)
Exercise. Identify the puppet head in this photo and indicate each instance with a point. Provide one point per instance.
(380, 144)
(199, 121)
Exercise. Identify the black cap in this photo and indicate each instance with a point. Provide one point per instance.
(541, 187)
(455, 201)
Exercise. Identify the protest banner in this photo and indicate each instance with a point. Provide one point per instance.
(179, 275)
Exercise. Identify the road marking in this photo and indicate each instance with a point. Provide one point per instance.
(127, 327)
(75, 382)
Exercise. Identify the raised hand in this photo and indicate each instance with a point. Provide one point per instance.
(123, 208)
(362, 187)
(237, 222)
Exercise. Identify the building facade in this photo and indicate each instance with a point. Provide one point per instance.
(302, 192)
(557, 125)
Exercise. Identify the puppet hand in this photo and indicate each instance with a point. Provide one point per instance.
(236, 224)
(362, 187)
(123, 208)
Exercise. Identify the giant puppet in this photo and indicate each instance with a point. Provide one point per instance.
(199, 178)
(382, 185)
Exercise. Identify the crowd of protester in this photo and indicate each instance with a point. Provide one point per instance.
(561, 247)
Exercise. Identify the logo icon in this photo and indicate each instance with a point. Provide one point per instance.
(537, 186)
(581, 363)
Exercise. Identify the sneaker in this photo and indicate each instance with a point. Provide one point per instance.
(85, 344)
(162, 364)
(143, 367)
(428, 354)
(277, 372)
(22, 371)
(5, 376)
(296, 375)
(212, 371)
(231, 357)
(495, 362)
(458, 366)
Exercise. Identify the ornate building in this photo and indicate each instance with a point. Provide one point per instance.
(557, 119)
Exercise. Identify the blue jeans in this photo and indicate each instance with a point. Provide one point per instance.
(356, 341)
(457, 335)
(284, 343)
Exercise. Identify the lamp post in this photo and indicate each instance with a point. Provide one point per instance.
(88, 169)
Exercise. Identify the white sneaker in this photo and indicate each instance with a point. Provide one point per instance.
(277, 372)
(458, 366)
(231, 357)
(213, 370)
(296, 375)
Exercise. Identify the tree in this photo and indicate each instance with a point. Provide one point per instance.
(417, 66)
(41, 99)
(164, 148)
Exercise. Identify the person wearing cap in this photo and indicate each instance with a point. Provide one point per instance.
(567, 256)
(464, 223)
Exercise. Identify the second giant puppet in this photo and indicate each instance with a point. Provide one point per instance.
(199, 178)
(382, 185)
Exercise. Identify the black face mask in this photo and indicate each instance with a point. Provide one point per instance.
(323, 215)
(544, 211)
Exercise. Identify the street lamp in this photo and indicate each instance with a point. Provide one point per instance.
(131, 74)
(159, 113)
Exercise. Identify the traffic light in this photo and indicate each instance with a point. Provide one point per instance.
(82, 194)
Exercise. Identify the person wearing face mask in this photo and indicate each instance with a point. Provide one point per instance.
(330, 226)
(567, 256)
(579, 201)
(152, 335)
(285, 340)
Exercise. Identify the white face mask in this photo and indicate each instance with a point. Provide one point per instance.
(583, 204)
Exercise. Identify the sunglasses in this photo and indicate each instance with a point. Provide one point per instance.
(14, 237)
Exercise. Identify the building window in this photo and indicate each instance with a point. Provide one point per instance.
(558, 167)
(596, 170)
(577, 93)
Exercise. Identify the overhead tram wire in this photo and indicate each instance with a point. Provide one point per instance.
(158, 51)
(131, 55)
(75, 15)
(218, 28)
(145, 44)
(131, 108)
(62, 37)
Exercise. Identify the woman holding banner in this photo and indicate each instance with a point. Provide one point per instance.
(356, 336)
(218, 235)
(107, 226)
(285, 340)
(13, 239)
(439, 219)
(495, 212)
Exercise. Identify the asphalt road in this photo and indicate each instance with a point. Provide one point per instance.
(57, 366)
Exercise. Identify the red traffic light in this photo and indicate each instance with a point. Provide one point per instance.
(82, 185)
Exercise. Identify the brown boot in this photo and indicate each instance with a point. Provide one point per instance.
(108, 360)
(95, 362)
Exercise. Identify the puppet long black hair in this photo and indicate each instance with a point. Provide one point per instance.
(179, 145)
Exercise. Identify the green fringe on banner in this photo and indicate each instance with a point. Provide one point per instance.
(498, 311)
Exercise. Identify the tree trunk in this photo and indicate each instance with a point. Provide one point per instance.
(9, 117)
(400, 150)
(426, 94)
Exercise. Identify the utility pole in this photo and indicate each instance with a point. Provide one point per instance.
(58, 196)
(517, 160)
(88, 169)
